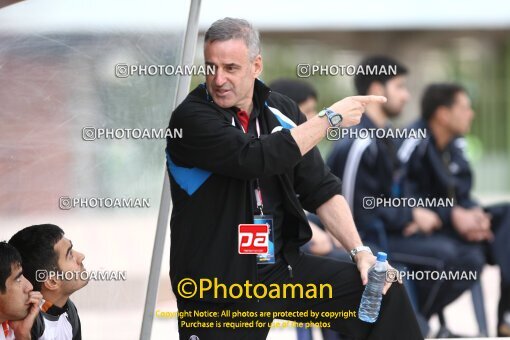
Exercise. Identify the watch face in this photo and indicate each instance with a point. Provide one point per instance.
(336, 119)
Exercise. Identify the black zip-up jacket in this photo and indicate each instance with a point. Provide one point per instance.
(211, 170)
(434, 173)
(367, 169)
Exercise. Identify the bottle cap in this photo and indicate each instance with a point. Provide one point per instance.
(381, 256)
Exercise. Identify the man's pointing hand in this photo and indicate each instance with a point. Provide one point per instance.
(351, 108)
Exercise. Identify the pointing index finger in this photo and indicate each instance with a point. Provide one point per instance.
(370, 99)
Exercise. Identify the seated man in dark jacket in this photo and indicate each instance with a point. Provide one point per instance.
(248, 155)
(370, 170)
(437, 167)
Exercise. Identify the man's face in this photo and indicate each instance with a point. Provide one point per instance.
(397, 94)
(460, 114)
(234, 76)
(14, 302)
(309, 107)
(70, 260)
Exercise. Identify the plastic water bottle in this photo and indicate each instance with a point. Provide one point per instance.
(372, 296)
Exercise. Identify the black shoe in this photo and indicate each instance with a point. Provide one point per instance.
(446, 333)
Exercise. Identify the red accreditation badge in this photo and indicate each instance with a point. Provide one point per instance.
(253, 238)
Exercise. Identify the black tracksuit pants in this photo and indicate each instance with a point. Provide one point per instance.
(498, 251)
(396, 319)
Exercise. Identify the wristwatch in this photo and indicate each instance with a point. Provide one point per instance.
(356, 250)
(334, 118)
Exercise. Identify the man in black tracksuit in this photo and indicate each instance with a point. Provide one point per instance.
(437, 167)
(370, 168)
(247, 151)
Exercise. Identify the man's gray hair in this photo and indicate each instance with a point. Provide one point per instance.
(232, 28)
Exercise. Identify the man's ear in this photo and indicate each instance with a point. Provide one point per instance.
(51, 284)
(376, 89)
(442, 115)
(257, 66)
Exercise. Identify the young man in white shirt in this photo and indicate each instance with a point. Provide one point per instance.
(45, 250)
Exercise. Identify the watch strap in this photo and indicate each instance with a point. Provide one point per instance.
(359, 249)
(331, 115)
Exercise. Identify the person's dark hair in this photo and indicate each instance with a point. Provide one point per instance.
(297, 90)
(376, 63)
(36, 246)
(437, 95)
(9, 256)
